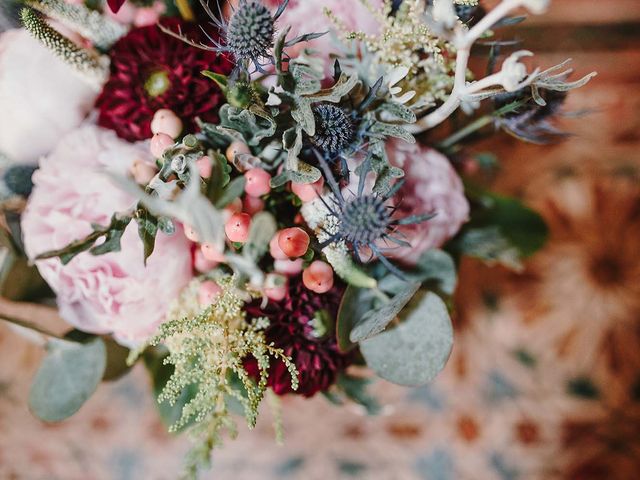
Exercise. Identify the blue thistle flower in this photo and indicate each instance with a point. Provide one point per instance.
(250, 31)
(334, 129)
(247, 35)
(366, 220)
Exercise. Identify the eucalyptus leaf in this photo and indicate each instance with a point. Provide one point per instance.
(354, 304)
(416, 350)
(375, 321)
(67, 377)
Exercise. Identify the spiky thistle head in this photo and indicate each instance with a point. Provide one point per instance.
(250, 31)
(335, 130)
(366, 220)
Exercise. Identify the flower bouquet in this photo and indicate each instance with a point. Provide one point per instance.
(256, 199)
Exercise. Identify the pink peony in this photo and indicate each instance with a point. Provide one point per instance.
(112, 293)
(431, 185)
(41, 97)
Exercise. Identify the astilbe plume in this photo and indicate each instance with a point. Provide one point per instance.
(208, 349)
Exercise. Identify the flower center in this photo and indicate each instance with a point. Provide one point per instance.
(157, 83)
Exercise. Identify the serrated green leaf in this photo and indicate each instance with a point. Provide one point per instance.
(381, 129)
(251, 127)
(147, 231)
(399, 112)
(112, 233)
(66, 378)
(416, 350)
(375, 321)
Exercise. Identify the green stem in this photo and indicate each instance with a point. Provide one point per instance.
(476, 125)
(463, 133)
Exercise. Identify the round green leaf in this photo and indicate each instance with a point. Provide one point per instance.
(416, 350)
(67, 377)
(355, 303)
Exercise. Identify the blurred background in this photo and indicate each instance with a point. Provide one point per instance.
(544, 380)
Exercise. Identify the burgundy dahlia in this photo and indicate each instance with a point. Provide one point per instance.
(151, 70)
(297, 327)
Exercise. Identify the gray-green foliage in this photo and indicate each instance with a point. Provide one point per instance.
(67, 377)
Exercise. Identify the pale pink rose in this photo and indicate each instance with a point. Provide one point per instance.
(112, 293)
(431, 186)
(41, 97)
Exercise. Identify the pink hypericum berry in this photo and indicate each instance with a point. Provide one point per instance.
(164, 120)
(159, 143)
(288, 267)
(146, 16)
(212, 252)
(252, 205)
(276, 287)
(308, 191)
(275, 250)
(318, 277)
(201, 264)
(190, 233)
(237, 227)
(207, 293)
(257, 182)
(143, 171)
(205, 166)
(294, 242)
(236, 148)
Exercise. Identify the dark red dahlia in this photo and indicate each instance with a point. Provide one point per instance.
(299, 327)
(152, 70)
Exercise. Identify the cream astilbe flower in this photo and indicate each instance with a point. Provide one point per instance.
(208, 348)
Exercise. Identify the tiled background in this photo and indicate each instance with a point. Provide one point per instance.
(544, 382)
